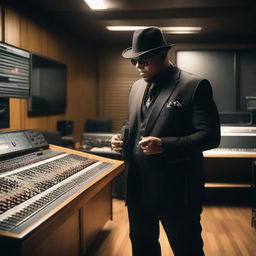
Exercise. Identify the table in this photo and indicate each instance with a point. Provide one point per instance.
(71, 226)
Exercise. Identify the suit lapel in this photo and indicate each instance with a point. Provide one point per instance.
(135, 104)
(162, 98)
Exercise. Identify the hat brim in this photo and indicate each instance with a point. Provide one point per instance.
(129, 54)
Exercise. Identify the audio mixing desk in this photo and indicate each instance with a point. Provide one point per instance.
(53, 200)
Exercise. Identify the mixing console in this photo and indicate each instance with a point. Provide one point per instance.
(20, 161)
(33, 184)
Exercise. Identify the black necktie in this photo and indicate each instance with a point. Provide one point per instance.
(151, 94)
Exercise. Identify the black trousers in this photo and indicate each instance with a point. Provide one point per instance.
(182, 227)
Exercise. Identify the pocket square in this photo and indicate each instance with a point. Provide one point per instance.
(173, 103)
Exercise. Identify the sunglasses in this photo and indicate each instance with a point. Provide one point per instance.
(140, 61)
(143, 60)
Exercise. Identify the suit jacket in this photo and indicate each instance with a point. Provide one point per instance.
(185, 117)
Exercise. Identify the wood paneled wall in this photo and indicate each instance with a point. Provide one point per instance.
(116, 75)
(34, 34)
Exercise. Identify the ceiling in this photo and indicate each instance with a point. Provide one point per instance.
(222, 21)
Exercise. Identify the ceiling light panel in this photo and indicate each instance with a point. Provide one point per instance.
(125, 28)
(96, 4)
(168, 30)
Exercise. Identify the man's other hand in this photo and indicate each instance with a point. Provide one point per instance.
(151, 145)
(117, 143)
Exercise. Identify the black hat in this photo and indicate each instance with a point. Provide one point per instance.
(144, 41)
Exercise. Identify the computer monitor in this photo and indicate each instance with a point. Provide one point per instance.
(14, 72)
(48, 86)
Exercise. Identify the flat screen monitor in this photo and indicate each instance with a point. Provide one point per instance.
(48, 86)
(14, 72)
(218, 67)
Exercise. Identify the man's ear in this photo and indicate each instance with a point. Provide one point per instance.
(163, 54)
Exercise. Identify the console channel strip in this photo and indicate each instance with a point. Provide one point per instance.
(33, 184)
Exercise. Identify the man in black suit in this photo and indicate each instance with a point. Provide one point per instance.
(172, 119)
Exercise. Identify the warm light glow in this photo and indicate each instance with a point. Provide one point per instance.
(180, 32)
(124, 28)
(96, 4)
(168, 30)
(181, 28)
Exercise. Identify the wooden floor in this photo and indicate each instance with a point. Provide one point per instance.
(227, 231)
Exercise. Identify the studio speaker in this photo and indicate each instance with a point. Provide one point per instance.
(4, 113)
(65, 127)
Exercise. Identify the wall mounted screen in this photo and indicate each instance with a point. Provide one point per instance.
(218, 68)
(48, 86)
(14, 72)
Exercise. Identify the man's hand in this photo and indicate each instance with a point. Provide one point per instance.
(117, 143)
(151, 145)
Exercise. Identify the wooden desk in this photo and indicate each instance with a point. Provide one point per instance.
(231, 160)
(239, 164)
(229, 153)
(254, 194)
(69, 228)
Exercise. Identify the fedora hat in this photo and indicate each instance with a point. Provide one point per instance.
(144, 41)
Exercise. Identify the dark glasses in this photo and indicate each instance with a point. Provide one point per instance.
(140, 61)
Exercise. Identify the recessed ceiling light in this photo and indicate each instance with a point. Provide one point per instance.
(181, 28)
(168, 30)
(125, 28)
(180, 32)
(96, 4)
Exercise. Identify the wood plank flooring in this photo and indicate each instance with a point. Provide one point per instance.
(227, 231)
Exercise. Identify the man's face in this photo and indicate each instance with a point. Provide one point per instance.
(148, 65)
